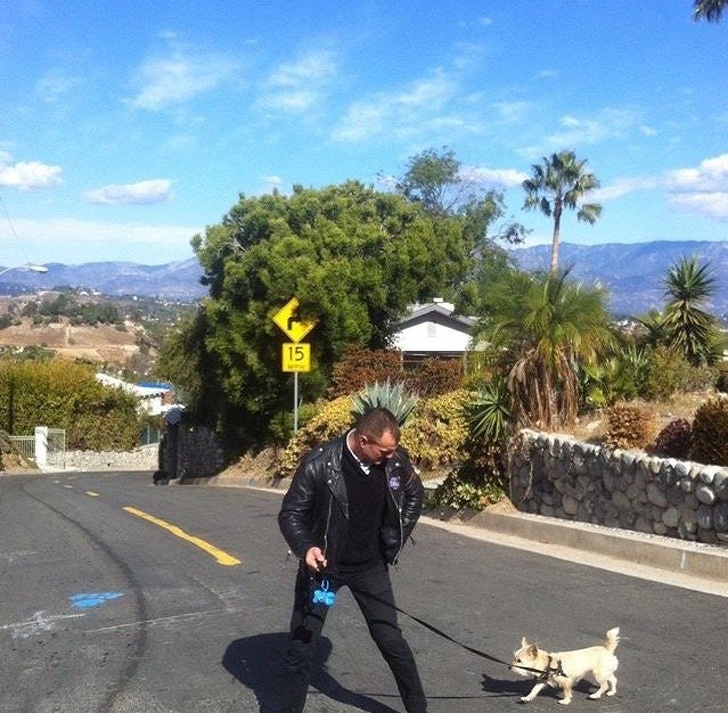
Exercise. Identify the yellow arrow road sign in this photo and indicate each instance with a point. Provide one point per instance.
(287, 319)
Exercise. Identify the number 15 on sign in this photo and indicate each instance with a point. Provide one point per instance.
(296, 357)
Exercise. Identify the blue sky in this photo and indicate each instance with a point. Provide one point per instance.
(126, 127)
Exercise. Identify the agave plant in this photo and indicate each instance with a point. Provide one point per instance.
(488, 412)
(393, 397)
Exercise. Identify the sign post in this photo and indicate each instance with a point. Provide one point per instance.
(295, 356)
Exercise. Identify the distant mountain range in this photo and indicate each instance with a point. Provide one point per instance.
(174, 281)
(632, 273)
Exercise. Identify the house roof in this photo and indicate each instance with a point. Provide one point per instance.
(439, 313)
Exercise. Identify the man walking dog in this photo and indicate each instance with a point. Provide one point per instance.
(351, 505)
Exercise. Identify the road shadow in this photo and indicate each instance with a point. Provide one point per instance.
(256, 662)
(505, 688)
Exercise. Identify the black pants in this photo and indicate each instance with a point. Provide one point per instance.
(372, 590)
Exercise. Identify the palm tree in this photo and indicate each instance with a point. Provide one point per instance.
(689, 328)
(559, 182)
(539, 328)
(710, 10)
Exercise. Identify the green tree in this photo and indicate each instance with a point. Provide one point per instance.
(560, 182)
(438, 182)
(540, 327)
(689, 328)
(354, 257)
(710, 10)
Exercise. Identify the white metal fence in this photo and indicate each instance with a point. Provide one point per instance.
(24, 446)
(46, 447)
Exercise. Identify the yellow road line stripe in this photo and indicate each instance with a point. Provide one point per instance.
(222, 557)
(92, 494)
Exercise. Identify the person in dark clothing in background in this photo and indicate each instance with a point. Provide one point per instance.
(351, 506)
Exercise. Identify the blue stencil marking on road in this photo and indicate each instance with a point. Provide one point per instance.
(86, 600)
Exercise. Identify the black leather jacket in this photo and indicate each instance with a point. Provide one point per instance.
(315, 510)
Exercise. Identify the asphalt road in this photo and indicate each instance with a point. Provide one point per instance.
(120, 597)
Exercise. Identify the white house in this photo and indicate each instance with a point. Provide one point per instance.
(151, 396)
(433, 330)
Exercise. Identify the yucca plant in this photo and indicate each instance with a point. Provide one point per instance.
(394, 397)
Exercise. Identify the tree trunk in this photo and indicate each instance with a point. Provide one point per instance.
(556, 240)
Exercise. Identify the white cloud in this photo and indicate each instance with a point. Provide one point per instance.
(297, 86)
(607, 124)
(501, 177)
(511, 112)
(179, 76)
(402, 113)
(56, 84)
(714, 205)
(621, 187)
(141, 193)
(710, 175)
(703, 189)
(27, 175)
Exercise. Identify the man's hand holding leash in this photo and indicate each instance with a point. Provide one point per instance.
(314, 560)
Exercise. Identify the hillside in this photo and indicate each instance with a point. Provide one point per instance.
(101, 344)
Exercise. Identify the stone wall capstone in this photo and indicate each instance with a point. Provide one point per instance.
(557, 476)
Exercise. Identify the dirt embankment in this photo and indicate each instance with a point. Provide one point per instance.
(104, 344)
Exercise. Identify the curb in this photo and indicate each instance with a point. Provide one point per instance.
(693, 559)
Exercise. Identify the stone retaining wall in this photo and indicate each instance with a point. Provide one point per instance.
(143, 458)
(186, 451)
(557, 476)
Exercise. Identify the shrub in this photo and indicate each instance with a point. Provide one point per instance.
(710, 432)
(721, 382)
(699, 378)
(458, 494)
(360, 366)
(630, 425)
(436, 376)
(674, 440)
(667, 372)
(480, 476)
(435, 435)
(65, 395)
(332, 420)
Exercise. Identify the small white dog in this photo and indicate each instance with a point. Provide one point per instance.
(563, 669)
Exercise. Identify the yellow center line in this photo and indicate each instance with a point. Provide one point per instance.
(222, 557)
(92, 494)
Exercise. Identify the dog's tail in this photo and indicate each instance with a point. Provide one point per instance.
(612, 639)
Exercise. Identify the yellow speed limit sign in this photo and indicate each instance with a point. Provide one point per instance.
(296, 356)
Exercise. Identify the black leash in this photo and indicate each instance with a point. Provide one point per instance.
(542, 674)
(322, 595)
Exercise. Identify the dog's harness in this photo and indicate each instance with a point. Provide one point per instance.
(551, 669)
